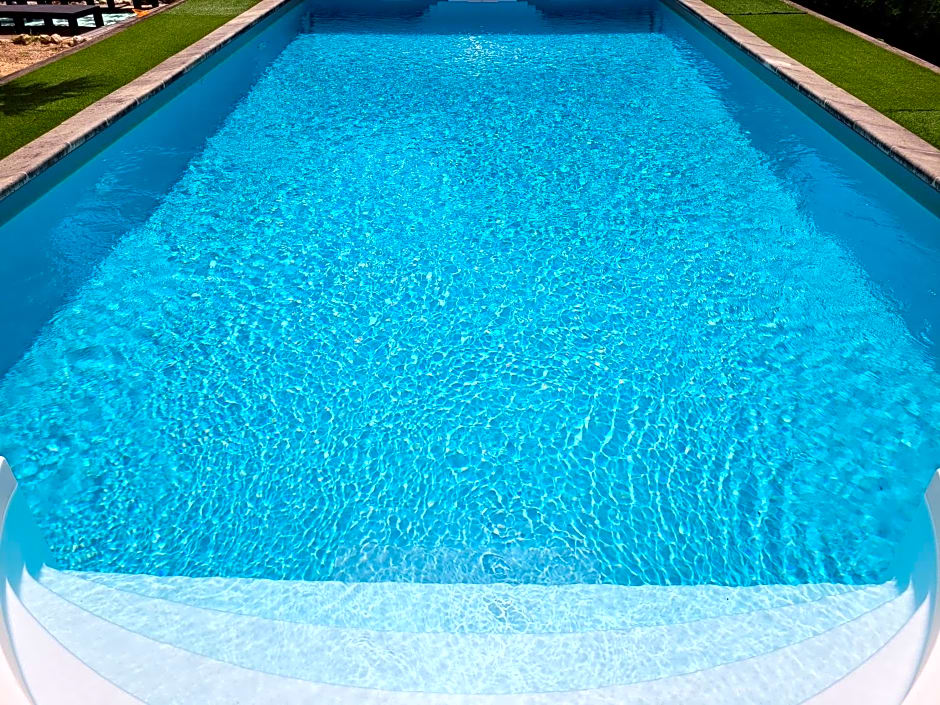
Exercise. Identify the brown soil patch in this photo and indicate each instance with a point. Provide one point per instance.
(14, 57)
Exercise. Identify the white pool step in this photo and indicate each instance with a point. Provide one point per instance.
(53, 674)
(164, 673)
(494, 608)
(464, 662)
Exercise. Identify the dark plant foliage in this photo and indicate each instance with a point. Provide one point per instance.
(912, 25)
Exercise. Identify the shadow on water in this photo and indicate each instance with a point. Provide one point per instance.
(55, 231)
(483, 16)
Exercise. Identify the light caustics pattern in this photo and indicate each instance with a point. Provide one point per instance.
(527, 307)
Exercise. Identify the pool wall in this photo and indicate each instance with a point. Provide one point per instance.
(22, 550)
(902, 145)
(252, 39)
(36, 157)
(149, 148)
(918, 564)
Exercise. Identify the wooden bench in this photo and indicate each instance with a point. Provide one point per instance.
(45, 2)
(20, 13)
(65, 2)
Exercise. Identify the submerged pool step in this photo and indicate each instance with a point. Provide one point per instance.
(487, 608)
(449, 662)
(142, 666)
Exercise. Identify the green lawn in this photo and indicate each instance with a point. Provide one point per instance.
(37, 102)
(750, 7)
(902, 90)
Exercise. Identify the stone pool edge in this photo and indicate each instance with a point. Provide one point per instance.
(903, 146)
(30, 160)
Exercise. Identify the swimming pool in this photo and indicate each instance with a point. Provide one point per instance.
(413, 351)
(485, 294)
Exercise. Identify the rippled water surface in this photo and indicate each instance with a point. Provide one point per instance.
(474, 307)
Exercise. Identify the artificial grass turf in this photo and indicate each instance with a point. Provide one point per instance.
(904, 91)
(40, 100)
(747, 7)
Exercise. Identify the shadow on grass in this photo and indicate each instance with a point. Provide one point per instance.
(18, 97)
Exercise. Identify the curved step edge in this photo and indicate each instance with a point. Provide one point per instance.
(53, 675)
(487, 608)
(927, 571)
(161, 673)
(885, 677)
(12, 688)
(444, 662)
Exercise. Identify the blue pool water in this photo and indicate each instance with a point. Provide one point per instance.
(531, 299)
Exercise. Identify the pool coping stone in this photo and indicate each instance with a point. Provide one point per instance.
(903, 146)
(32, 159)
